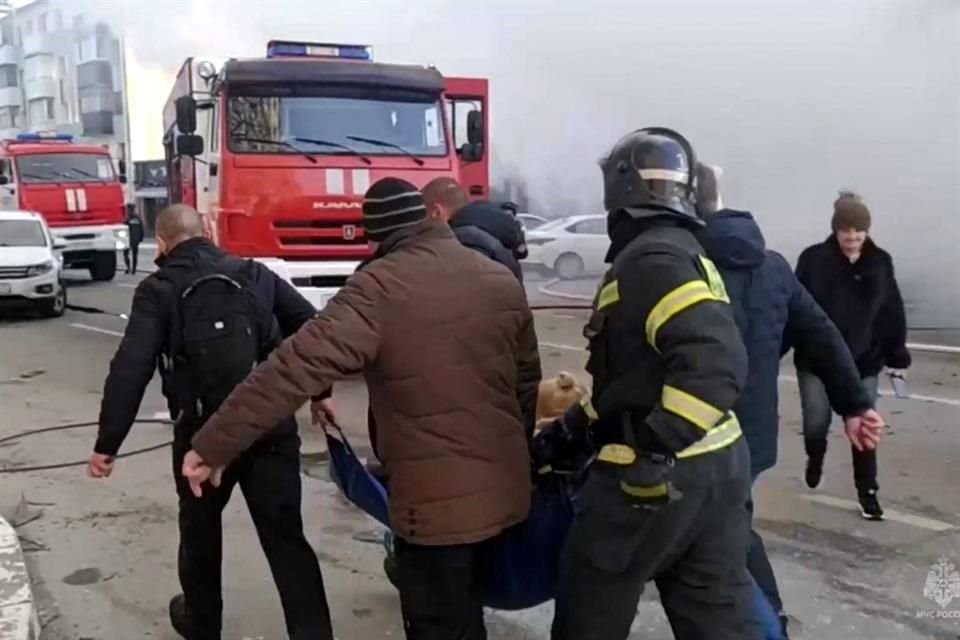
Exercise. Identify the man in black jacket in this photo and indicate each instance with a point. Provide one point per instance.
(268, 475)
(482, 226)
(773, 312)
(853, 280)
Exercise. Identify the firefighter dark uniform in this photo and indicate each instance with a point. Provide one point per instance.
(665, 498)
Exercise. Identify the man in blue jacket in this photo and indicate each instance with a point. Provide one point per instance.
(774, 312)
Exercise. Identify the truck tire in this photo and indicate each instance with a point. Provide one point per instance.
(104, 266)
(56, 306)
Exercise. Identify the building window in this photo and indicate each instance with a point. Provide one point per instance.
(42, 23)
(103, 47)
(78, 21)
(96, 99)
(6, 32)
(38, 67)
(8, 75)
(118, 103)
(40, 110)
(9, 117)
(58, 19)
(28, 27)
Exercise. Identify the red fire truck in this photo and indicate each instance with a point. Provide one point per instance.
(278, 151)
(74, 187)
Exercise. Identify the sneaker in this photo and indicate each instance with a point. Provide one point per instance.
(814, 472)
(179, 619)
(870, 506)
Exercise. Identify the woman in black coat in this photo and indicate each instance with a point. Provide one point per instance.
(853, 281)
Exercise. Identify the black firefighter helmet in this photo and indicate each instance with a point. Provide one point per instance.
(649, 173)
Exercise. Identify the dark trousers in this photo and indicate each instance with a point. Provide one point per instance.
(817, 416)
(130, 257)
(439, 594)
(269, 477)
(694, 549)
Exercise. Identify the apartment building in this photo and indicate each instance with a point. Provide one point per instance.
(62, 70)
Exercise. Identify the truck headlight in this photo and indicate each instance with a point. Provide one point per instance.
(120, 233)
(40, 269)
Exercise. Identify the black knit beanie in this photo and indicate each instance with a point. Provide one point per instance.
(390, 205)
(850, 212)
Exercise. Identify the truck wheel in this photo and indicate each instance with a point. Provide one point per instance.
(569, 266)
(104, 266)
(56, 306)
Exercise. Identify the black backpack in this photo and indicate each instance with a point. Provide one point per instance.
(220, 332)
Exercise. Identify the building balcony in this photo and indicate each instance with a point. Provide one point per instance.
(10, 97)
(37, 43)
(44, 87)
(9, 54)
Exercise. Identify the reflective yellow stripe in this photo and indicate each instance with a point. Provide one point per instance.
(644, 492)
(617, 454)
(589, 409)
(723, 435)
(609, 294)
(690, 408)
(714, 279)
(681, 298)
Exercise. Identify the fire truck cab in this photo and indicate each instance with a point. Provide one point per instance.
(278, 151)
(76, 190)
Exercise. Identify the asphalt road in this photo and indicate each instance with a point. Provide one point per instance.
(103, 552)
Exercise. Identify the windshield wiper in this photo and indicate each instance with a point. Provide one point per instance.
(390, 145)
(86, 174)
(50, 179)
(279, 143)
(336, 145)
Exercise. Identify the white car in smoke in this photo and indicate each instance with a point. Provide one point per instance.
(571, 247)
(31, 267)
(531, 222)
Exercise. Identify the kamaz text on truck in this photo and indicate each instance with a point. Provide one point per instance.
(75, 188)
(278, 151)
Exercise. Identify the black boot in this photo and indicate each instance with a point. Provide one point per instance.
(179, 619)
(816, 450)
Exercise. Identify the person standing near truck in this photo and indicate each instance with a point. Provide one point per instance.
(135, 235)
(206, 318)
(853, 280)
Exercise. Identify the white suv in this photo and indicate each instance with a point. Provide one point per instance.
(31, 269)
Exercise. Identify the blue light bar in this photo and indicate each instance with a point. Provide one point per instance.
(39, 137)
(287, 49)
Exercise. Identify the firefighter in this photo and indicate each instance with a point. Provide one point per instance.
(664, 499)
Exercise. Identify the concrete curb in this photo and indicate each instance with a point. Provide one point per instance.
(18, 614)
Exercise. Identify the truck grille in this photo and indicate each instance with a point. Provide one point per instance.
(13, 273)
(307, 233)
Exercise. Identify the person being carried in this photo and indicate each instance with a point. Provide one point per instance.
(206, 318)
(446, 343)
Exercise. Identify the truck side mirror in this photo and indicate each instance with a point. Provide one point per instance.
(4, 180)
(122, 167)
(189, 144)
(475, 127)
(471, 152)
(186, 114)
(122, 179)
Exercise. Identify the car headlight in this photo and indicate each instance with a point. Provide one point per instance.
(40, 269)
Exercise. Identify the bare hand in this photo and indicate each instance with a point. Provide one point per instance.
(100, 466)
(863, 432)
(323, 412)
(196, 471)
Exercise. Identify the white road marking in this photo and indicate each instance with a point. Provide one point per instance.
(888, 514)
(566, 347)
(161, 415)
(87, 327)
(127, 285)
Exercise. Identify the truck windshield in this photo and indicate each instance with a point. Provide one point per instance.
(415, 127)
(64, 167)
(21, 233)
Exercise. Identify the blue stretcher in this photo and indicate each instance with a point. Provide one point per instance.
(523, 564)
